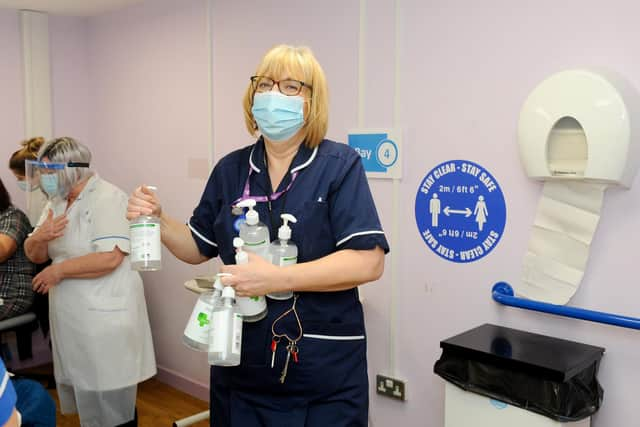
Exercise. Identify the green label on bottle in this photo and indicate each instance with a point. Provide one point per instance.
(203, 319)
(149, 224)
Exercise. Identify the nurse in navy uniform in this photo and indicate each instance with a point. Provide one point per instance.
(304, 365)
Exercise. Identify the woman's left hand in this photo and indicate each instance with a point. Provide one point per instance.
(47, 279)
(256, 278)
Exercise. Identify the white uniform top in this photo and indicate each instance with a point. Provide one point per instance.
(99, 327)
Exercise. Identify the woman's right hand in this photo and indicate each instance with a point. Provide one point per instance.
(143, 201)
(51, 228)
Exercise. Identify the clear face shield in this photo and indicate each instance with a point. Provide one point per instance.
(49, 179)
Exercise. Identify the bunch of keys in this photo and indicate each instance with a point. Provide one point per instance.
(292, 350)
(292, 347)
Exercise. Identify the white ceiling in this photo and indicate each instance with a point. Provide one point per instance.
(68, 7)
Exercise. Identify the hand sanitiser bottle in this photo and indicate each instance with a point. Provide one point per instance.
(225, 340)
(146, 246)
(196, 333)
(254, 233)
(251, 308)
(283, 252)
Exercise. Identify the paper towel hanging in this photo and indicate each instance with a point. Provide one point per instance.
(576, 134)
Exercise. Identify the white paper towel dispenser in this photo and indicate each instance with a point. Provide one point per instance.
(577, 133)
(576, 125)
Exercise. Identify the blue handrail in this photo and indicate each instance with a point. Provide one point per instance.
(503, 293)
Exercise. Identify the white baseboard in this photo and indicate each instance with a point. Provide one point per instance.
(182, 383)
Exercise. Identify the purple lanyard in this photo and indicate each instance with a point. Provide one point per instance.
(246, 194)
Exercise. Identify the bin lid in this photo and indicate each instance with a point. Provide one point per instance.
(554, 358)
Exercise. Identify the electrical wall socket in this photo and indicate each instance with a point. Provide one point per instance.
(391, 387)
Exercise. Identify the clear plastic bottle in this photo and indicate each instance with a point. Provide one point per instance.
(146, 246)
(252, 309)
(254, 233)
(283, 252)
(225, 340)
(196, 333)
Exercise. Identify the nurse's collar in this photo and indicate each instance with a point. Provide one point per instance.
(303, 158)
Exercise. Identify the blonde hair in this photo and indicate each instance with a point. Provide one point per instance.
(296, 63)
(29, 151)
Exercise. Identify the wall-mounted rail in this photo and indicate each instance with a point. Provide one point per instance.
(503, 293)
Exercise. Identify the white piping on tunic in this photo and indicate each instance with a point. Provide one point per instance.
(204, 239)
(360, 233)
(296, 169)
(335, 337)
(254, 167)
(305, 164)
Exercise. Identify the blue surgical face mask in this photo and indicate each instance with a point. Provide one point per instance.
(22, 185)
(278, 116)
(49, 183)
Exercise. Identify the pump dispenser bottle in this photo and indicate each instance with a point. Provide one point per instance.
(252, 309)
(146, 246)
(283, 252)
(254, 233)
(196, 333)
(225, 340)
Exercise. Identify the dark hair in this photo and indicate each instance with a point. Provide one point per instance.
(5, 198)
(29, 151)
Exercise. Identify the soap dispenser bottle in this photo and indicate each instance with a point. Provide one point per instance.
(283, 252)
(254, 233)
(252, 309)
(225, 341)
(146, 242)
(196, 333)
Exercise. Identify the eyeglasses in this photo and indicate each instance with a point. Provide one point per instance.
(287, 87)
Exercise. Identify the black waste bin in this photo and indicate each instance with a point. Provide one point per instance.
(547, 375)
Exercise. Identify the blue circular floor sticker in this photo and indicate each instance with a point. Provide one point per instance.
(460, 211)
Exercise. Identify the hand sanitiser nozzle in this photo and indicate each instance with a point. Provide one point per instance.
(284, 232)
(283, 252)
(241, 255)
(252, 216)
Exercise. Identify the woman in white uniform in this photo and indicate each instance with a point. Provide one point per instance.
(100, 331)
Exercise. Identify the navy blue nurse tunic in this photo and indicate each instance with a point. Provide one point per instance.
(332, 202)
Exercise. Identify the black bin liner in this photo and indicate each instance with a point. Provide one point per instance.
(552, 377)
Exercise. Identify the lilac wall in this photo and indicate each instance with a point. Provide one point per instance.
(70, 84)
(467, 70)
(11, 98)
(241, 39)
(148, 77)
